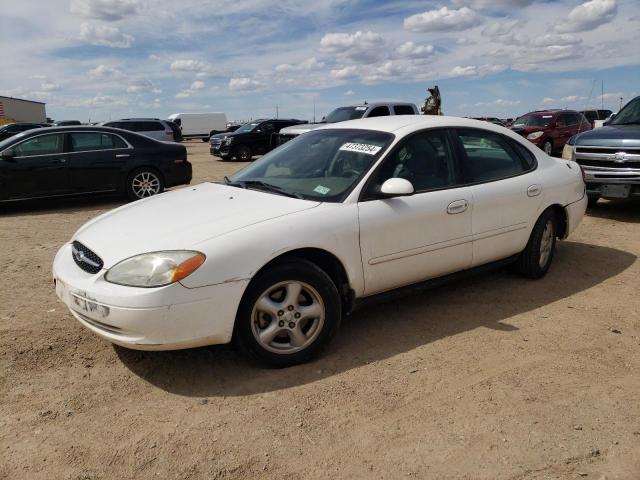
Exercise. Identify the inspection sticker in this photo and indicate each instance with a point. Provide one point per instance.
(361, 108)
(322, 190)
(361, 148)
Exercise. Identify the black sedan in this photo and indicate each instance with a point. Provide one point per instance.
(58, 161)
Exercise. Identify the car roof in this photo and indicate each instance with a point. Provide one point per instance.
(407, 123)
(76, 128)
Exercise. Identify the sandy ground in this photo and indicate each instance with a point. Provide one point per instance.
(493, 378)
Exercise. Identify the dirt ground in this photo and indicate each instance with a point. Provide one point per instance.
(495, 377)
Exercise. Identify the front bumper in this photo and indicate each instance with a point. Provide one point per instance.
(163, 318)
(609, 173)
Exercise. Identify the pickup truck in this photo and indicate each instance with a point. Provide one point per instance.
(353, 112)
(610, 156)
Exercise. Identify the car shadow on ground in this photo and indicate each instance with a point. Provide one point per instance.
(623, 210)
(71, 205)
(376, 333)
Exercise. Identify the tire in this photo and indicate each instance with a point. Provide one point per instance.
(243, 153)
(593, 201)
(547, 147)
(144, 182)
(205, 139)
(536, 258)
(275, 329)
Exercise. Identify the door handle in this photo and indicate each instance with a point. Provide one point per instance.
(59, 160)
(123, 155)
(534, 190)
(458, 206)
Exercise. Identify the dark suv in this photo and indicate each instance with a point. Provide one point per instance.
(12, 129)
(550, 129)
(253, 138)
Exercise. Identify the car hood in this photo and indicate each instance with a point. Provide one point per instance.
(611, 136)
(302, 128)
(181, 219)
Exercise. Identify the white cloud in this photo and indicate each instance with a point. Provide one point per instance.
(443, 20)
(104, 72)
(500, 102)
(465, 41)
(500, 28)
(361, 47)
(244, 84)
(349, 93)
(479, 4)
(555, 39)
(184, 94)
(105, 36)
(306, 65)
(107, 10)
(588, 16)
(142, 85)
(345, 72)
(411, 50)
(188, 66)
(49, 86)
(99, 101)
(197, 85)
(467, 71)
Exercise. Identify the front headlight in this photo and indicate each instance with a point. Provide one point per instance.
(155, 269)
(567, 152)
(228, 140)
(534, 135)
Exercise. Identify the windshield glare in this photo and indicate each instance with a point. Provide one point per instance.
(247, 127)
(319, 165)
(533, 121)
(345, 113)
(630, 114)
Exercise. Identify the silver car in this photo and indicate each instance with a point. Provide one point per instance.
(150, 127)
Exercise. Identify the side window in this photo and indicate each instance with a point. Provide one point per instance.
(267, 127)
(41, 145)
(403, 110)
(381, 111)
(488, 157)
(573, 119)
(425, 159)
(563, 121)
(82, 142)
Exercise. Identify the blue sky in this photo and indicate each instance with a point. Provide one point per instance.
(105, 59)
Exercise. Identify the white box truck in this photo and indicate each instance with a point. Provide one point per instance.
(200, 125)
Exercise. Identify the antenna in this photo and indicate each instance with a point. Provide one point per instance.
(276, 111)
(602, 94)
(314, 110)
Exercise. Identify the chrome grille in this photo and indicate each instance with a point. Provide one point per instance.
(86, 259)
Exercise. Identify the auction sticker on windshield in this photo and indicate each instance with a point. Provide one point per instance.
(321, 190)
(360, 148)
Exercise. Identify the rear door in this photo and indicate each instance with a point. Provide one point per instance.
(38, 167)
(566, 127)
(506, 193)
(97, 161)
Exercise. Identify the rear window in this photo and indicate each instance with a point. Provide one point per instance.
(151, 127)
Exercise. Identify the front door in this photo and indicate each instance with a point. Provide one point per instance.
(408, 239)
(506, 193)
(38, 167)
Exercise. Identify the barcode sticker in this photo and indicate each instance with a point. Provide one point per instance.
(360, 148)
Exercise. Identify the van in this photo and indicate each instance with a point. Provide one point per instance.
(200, 125)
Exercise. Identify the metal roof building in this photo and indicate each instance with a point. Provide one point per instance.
(20, 110)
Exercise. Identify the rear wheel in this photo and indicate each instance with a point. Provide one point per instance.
(535, 260)
(288, 314)
(144, 182)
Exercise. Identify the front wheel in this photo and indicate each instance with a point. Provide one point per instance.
(288, 314)
(535, 260)
(243, 153)
(144, 182)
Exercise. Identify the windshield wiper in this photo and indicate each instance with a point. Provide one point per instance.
(260, 185)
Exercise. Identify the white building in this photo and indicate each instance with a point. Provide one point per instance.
(19, 110)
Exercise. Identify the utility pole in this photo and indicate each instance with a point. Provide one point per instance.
(276, 111)
(620, 104)
(314, 110)
(602, 94)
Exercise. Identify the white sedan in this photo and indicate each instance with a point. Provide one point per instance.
(277, 254)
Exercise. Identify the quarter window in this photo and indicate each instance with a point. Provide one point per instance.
(403, 110)
(424, 159)
(82, 142)
(488, 157)
(40, 145)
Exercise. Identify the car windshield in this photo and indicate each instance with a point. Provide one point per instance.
(345, 113)
(320, 165)
(533, 121)
(247, 127)
(629, 115)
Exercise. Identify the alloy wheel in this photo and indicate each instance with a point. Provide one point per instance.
(546, 244)
(145, 184)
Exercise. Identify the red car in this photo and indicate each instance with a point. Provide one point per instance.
(550, 129)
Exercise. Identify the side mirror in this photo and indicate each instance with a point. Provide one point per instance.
(611, 117)
(7, 154)
(397, 187)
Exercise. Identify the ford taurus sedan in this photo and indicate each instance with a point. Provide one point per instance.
(58, 161)
(277, 254)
